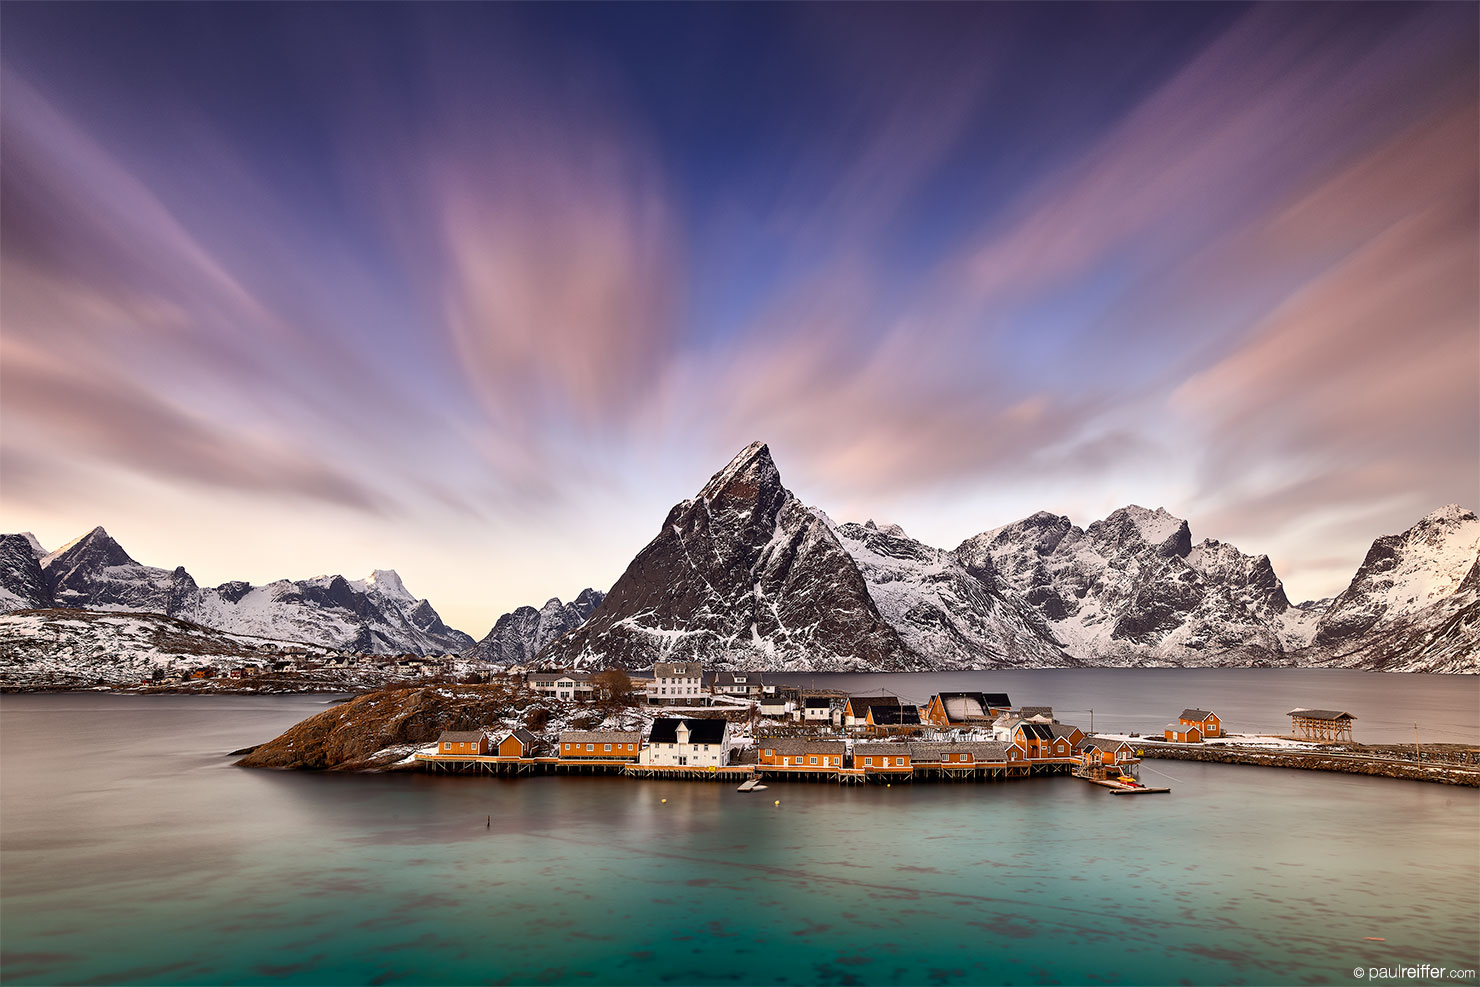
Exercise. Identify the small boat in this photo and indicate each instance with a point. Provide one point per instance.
(758, 787)
(748, 786)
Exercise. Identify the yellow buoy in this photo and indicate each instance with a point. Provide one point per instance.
(665, 801)
(778, 802)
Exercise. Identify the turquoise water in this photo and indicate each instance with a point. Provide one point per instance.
(131, 852)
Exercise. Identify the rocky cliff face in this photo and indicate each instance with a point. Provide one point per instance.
(94, 573)
(1414, 603)
(519, 635)
(1132, 587)
(744, 576)
(22, 583)
(946, 612)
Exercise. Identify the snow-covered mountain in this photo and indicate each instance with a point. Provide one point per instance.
(519, 635)
(743, 576)
(69, 649)
(22, 583)
(1414, 602)
(374, 615)
(960, 617)
(1132, 589)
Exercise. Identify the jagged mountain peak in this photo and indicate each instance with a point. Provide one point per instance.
(37, 551)
(97, 547)
(387, 582)
(1157, 528)
(752, 468)
(743, 575)
(518, 635)
(1449, 514)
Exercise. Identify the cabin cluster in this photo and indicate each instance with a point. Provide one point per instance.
(872, 738)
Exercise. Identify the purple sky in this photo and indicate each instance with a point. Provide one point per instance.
(478, 292)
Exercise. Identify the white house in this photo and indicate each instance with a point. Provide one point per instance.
(677, 683)
(561, 685)
(817, 709)
(747, 684)
(688, 742)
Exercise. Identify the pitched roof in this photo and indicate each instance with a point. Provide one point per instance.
(891, 748)
(1042, 731)
(959, 706)
(894, 715)
(1195, 714)
(1064, 730)
(802, 745)
(817, 702)
(1028, 711)
(523, 736)
(678, 669)
(600, 736)
(701, 730)
(1321, 714)
(737, 678)
(460, 737)
(1104, 744)
(981, 750)
(858, 704)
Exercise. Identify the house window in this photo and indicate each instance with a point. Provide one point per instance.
(812, 760)
(899, 762)
(607, 747)
(590, 747)
(868, 761)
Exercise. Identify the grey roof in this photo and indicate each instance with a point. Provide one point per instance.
(1103, 744)
(523, 736)
(1321, 714)
(981, 750)
(737, 678)
(701, 730)
(802, 745)
(1028, 711)
(1065, 730)
(1195, 714)
(773, 699)
(460, 737)
(600, 736)
(678, 669)
(890, 748)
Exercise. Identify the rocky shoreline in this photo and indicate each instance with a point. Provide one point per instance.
(1443, 774)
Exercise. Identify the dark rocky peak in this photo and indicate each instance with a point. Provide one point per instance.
(234, 591)
(22, 583)
(1133, 526)
(94, 551)
(587, 601)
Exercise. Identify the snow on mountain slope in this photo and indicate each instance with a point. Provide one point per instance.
(742, 576)
(1406, 573)
(519, 635)
(945, 613)
(1130, 589)
(1414, 603)
(22, 583)
(93, 572)
(80, 648)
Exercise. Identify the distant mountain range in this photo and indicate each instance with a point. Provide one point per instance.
(375, 615)
(744, 575)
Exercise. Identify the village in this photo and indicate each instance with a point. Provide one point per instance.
(737, 726)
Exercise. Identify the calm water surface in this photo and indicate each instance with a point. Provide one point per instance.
(132, 852)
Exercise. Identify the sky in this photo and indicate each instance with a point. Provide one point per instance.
(478, 292)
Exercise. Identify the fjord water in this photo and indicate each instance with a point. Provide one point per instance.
(132, 852)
